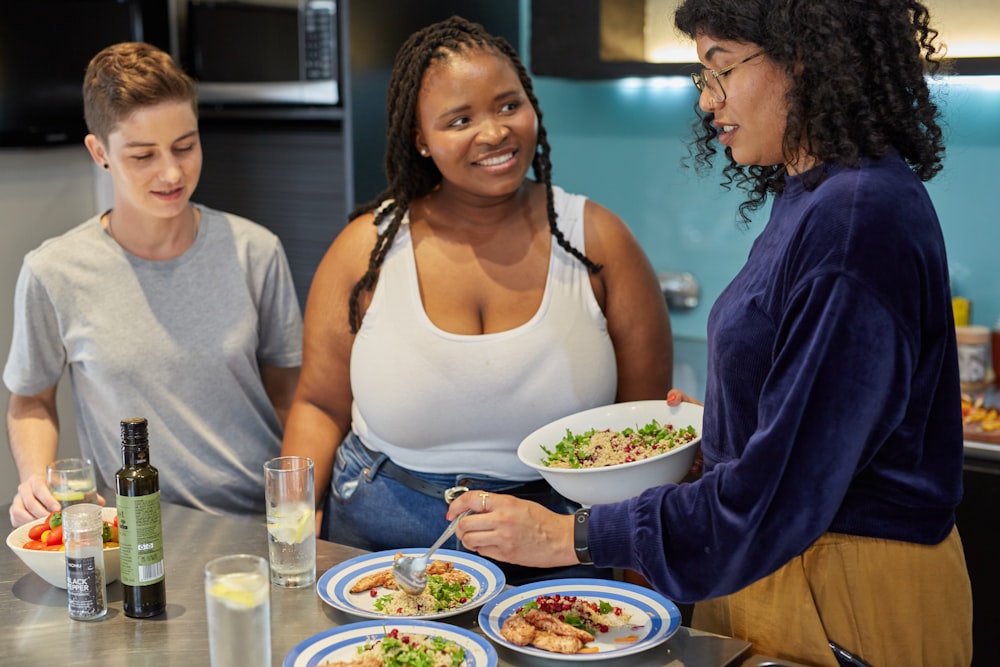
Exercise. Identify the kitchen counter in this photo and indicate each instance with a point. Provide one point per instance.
(975, 449)
(37, 629)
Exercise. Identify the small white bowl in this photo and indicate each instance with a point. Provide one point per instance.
(614, 483)
(51, 565)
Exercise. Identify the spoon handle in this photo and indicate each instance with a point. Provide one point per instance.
(448, 532)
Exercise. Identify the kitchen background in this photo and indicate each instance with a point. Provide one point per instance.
(621, 142)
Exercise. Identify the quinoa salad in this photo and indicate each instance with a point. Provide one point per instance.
(396, 649)
(440, 595)
(599, 448)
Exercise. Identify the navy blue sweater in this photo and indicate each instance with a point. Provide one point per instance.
(832, 402)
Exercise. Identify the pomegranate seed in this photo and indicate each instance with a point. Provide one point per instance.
(394, 632)
(373, 593)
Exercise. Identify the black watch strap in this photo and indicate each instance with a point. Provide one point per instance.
(581, 521)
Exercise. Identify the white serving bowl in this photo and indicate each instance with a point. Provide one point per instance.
(51, 565)
(609, 484)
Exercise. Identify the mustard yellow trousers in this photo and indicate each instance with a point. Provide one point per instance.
(890, 603)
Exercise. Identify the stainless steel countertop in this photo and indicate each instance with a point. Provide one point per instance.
(37, 630)
(975, 449)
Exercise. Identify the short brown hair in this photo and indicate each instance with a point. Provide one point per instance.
(127, 76)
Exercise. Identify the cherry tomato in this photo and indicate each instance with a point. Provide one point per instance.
(55, 536)
(54, 520)
(36, 531)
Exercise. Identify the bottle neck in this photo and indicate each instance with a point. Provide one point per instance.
(135, 455)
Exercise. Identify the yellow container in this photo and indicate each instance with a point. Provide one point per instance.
(961, 307)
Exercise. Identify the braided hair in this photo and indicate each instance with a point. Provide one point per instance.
(858, 83)
(411, 176)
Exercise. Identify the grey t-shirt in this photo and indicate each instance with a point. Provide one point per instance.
(179, 342)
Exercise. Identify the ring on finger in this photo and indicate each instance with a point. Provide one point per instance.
(482, 497)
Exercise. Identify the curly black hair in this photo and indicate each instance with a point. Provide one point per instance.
(411, 176)
(858, 83)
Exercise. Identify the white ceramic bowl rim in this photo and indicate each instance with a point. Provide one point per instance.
(51, 565)
(538, 465)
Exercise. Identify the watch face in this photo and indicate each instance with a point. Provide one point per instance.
(580, 541)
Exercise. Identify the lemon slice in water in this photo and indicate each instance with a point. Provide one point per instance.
(239, 589)
(292, 524)
(68, 496)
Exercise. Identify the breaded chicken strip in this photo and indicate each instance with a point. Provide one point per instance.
(383, 578)
(366, 659)
(377, 579)
(440, 567)
(517, 630)
(548, 641)
(549, 623)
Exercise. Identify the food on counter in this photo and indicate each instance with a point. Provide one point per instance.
(447, 588)
(562, 624)
(974, 412)
(48, 535)
(405, 650)
(595, 449)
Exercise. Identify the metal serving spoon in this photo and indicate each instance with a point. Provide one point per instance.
(410, 572)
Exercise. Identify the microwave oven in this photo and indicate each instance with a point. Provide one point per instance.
(263, 52)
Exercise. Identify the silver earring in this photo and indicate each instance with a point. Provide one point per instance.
(424, 152)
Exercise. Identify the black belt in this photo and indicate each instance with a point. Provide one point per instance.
(411, 481)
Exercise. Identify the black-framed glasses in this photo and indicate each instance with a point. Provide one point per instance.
(714, 83)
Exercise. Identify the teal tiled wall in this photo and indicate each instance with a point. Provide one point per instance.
(621, 143)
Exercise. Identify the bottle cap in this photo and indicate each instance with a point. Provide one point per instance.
(134, 431)
(82, 517)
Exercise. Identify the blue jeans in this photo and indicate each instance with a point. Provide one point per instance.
(372, 511)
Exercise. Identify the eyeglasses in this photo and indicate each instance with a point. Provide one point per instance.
(714, 84)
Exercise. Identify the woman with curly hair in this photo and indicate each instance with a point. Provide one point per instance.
(832, 433)
(465, 306)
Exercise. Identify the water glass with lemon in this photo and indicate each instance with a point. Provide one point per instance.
(72, 481)
(238, 601)
(291, 521)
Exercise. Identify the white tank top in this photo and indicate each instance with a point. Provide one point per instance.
(441, 402)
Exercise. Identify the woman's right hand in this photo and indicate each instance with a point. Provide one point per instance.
(34, 500)
(675, 397)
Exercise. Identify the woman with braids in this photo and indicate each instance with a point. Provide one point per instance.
(465, 306)
(832, 436)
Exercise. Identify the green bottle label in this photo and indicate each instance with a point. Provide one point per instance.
(141, 538)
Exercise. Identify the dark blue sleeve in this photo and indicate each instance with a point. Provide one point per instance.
(836, 389)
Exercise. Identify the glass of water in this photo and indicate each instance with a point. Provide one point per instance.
(72, 481)
(291, 521)
(238, 597)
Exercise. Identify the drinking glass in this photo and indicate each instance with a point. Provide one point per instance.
(291, 521)
(238, 598)
(72, 481)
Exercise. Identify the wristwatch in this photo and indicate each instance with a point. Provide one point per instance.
(581, 520)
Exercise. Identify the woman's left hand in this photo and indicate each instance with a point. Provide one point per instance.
(512, 530)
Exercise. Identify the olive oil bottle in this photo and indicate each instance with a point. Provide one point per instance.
(140, 533)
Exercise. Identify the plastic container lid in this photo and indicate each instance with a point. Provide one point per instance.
(82, 517)
(972, 335)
